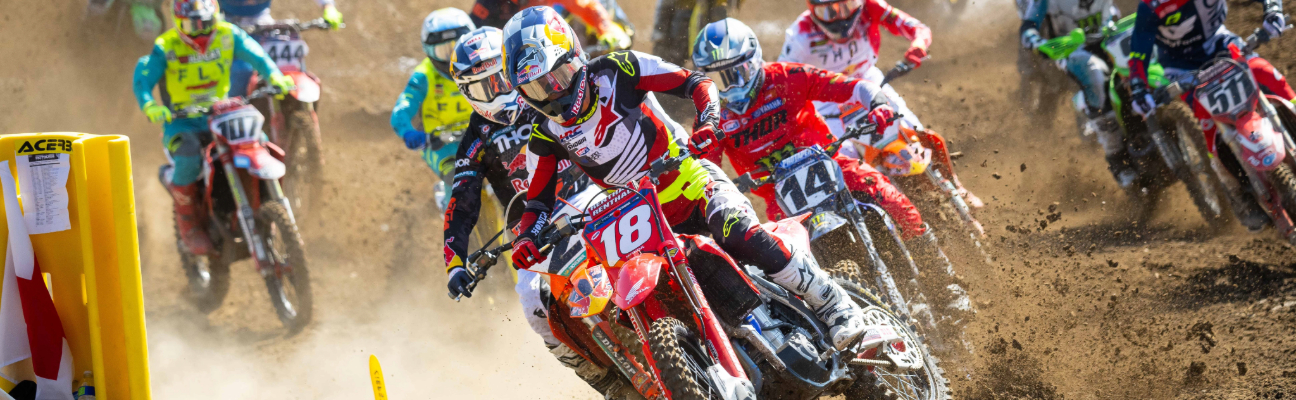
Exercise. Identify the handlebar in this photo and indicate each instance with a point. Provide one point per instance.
(1173, 90)
(435, 141)
(901, 68)
(292, 24)
(194, 111)
(480, 261)
(665, 164)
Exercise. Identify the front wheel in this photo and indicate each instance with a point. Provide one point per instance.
(1187, 139)
(304, 158)
(681, 360)
(922, 380)
(289, 281)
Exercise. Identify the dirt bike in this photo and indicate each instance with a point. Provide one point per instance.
(911, 154)
(1160, 156)
(1255, 128)
(627, 244)
(841, 227)
(249, 216)
(294, 124)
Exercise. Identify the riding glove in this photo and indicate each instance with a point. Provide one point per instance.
(414, 140)
(283, 82)
(1031, 39)
(703, 140)
(615, 38)
(459, 280)
(525, 254)
(881, 116)
(916, 55)
(333, 17)
(157, 112)
(1275, 24)
(1141, 98)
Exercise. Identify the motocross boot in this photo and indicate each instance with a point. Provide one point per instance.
(830, 302)
(927, 253)
(606, 381)
(188, 207)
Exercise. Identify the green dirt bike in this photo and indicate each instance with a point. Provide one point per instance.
(1167, 148)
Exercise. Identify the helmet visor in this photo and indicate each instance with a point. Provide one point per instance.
(836, 11)
(737, 76)
(555, 84)
(487, 88)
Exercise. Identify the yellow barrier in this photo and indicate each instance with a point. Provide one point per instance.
(93, 268)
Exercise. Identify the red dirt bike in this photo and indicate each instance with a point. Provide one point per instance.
(294, 125)
(248, 216)
(708, 328)
(1258, 135)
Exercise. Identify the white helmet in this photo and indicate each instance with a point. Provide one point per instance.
(440, 30)
(478, 68)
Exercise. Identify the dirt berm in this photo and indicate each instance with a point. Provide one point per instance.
(1078, 303)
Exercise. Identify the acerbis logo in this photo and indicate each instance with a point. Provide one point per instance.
(60, 145)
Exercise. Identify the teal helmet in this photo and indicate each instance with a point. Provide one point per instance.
(441, 29)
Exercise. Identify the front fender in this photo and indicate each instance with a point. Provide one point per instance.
(308, 86)
(637, 279)
(1261, 144)
(822, 223)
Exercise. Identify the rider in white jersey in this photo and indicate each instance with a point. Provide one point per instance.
(843, 36)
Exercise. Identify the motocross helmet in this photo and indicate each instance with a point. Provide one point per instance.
(728, 53)
(836, 17)
(195, 20)
(478, 69)
(441, 29)
(544, 60)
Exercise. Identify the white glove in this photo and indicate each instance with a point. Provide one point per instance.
(1275, 24)
(1031, 39)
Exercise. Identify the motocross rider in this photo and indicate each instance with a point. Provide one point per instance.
(844, 36)
(610, 33)
(1047, 19)
(432, 96)
(192, 62)
(1187, 34)
(768, 114)
(603, 116)
(493, 149)
(250, 13)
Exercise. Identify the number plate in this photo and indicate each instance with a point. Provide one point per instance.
(1227, 88)
(288, 53)
(239, 125)
(806, 185)
(624, 224)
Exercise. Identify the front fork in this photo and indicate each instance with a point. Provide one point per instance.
(644, 381)
(243, 210)
(885, 281)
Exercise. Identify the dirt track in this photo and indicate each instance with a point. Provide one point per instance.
(1086, 307)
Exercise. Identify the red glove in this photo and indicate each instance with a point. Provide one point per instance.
(704, 140)
(915, 55)
(525, 254)
(881, 116)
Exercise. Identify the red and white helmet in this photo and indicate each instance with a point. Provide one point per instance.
(837, 18)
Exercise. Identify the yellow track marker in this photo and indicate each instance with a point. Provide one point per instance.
(376, 376)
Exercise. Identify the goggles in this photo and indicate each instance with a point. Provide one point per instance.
(440, 45)
(737, 76)
(837, 10)
(486, 88)
(553, 85)
(196, 26)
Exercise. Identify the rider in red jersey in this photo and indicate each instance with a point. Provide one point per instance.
(768, 113)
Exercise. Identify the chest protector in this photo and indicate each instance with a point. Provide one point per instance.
(444, 105)
(198, 78)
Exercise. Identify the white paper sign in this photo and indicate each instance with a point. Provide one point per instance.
(43, 181)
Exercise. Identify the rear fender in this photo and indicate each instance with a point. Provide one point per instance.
(1262, 145)
(637, 279)
(308, 86)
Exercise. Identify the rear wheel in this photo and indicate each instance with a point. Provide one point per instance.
(681, 359)
(304, 158)
(208, 277)
(289, 282)
(924, 382)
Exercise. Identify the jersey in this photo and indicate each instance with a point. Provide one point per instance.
(624, 130)
(805, 43)
(190, 77)
(495, 153)
(1053, 18)
(783, 117)
(433, 98)
(252, 8)
(497, 12)
(1186, 33)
